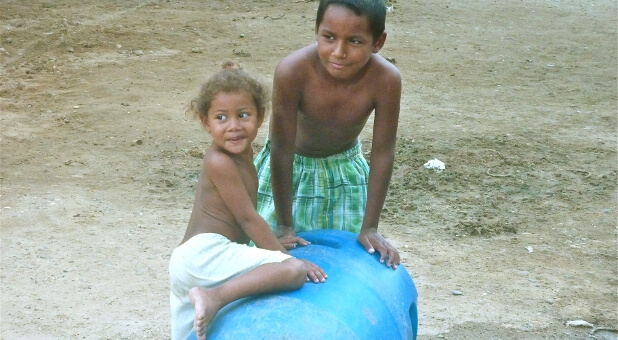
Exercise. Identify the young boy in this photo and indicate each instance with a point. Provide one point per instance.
(312, 171)
(213, 265)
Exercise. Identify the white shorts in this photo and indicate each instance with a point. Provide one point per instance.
(208, 260)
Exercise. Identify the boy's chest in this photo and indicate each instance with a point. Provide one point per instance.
(337, 105)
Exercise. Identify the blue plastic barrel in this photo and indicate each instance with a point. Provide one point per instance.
(361, 299)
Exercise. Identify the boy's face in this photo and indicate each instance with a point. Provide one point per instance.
(233, 121)
(345, 42)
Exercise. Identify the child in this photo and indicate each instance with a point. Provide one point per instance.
(213, 265)
(312, 171)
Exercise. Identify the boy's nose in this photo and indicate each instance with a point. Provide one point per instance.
(339, 50)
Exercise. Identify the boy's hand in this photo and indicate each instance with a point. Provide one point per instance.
(372, 241)
(314, 273)
(288, 239)
(290, 242)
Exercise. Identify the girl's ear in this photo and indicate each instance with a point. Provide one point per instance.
(260, 117)
(377, 46)
(204, 120)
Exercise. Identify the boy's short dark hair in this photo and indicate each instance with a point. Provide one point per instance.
(375, 10)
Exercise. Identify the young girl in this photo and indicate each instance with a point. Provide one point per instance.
(213, 265)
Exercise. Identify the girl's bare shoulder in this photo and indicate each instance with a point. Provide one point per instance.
(216, 162)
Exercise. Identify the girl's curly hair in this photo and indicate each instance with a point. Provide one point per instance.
(231, 79)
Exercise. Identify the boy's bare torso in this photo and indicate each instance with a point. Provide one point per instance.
(328, 121)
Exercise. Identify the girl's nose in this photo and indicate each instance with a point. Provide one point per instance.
(234, 124)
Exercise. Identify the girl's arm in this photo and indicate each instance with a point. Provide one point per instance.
(224, 174)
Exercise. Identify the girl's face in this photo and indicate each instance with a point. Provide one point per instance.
(233, 121)
(345, 42)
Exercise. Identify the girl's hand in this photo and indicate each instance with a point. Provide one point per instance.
(314, 273)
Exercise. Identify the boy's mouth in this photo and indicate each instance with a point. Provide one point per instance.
(337, 66)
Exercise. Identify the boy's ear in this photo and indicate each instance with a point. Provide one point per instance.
(377, 46)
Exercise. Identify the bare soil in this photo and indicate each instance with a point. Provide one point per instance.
(514, 239)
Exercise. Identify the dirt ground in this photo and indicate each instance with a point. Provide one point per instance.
(513, 240)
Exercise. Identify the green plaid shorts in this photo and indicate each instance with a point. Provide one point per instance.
(329, 193)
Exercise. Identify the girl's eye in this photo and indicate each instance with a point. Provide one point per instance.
(221, 117)
(244, 115)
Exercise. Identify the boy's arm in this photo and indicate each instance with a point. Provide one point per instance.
(381, 167)
(286, 100)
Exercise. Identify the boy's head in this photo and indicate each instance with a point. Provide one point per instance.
(348, 33)
(374, 10)
(229, 80)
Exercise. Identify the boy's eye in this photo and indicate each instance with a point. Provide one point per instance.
(244, 114)
(221, 117)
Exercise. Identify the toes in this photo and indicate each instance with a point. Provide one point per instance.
(200, 332)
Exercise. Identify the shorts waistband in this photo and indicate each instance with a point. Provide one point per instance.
(355, 151)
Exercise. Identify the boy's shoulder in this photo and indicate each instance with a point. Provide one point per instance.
(303, 64)
(380, 67)
(298, 61)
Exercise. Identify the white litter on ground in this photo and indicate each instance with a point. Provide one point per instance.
(435, 164)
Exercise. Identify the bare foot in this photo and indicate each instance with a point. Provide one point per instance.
(206, 307)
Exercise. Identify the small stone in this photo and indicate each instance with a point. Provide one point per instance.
(457, 292)
(196, 152)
